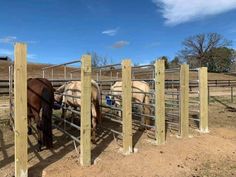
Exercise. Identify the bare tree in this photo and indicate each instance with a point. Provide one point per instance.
(196, 48)
(98, 60)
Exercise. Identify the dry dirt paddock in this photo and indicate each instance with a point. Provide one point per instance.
(212, 154)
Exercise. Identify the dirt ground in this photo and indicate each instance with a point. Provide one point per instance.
(211, 154)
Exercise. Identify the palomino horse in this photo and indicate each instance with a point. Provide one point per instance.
(73, 88)
(40, 96)
(141, 97)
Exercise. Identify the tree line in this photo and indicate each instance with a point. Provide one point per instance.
(209, 50)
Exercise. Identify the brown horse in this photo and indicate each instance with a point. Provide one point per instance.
(40, 96)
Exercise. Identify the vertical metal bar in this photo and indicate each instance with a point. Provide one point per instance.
(64, 72)
(232, 94)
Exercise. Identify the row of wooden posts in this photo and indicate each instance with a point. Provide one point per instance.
(20, 106)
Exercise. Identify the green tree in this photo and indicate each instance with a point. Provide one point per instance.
(162, 58)
(220, 59)
(175, 63)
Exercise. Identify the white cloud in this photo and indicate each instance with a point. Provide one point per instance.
(111, 32)
(10, 53)
(13, 39)
(120, 44)
(8, 39)
(180, 11)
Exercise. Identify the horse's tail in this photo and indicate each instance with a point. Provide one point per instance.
(47, 104)
(98, 102)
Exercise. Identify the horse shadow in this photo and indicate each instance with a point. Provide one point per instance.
(229, 108)
(61, 147)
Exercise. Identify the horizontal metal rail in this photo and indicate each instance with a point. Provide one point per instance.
(146, 115)
(194, 102)
(195, 119)
(62, 130)
(173, 108)
(168, 93)
(112, 130)
(150, 93)
(142, 66)
(66, 121)
(147, 80)
(112, 80)
(171, 114)
(63, 94)
(173, 104)
(111, 119)
(70, 109)
(98, 68)
(194, 111)
(115, 115)
(63, 64)
(111, 107)
(144, 104)
(63, 80)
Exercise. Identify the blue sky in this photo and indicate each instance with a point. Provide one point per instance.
(61, 30)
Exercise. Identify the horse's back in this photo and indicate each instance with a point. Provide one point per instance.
(36, 89)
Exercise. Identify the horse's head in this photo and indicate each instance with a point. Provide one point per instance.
(58, 94)
(58, 97)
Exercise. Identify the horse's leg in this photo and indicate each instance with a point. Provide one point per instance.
(38, 122)
(29, 126)
(29, 121)
(94, 124)
(63, 116)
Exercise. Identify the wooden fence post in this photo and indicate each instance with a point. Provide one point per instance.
(20, 109)
(184, 100)
(203, 92)
(160, 101)
(127, 107)
(85, 129)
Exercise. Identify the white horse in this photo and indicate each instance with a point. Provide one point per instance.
(73, 88)
(140, 94)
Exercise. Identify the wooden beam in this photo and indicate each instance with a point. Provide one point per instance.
(85, 131)
(203, 90)
(160, 101)
(20, 108)
(184, 100)
(127, 107)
